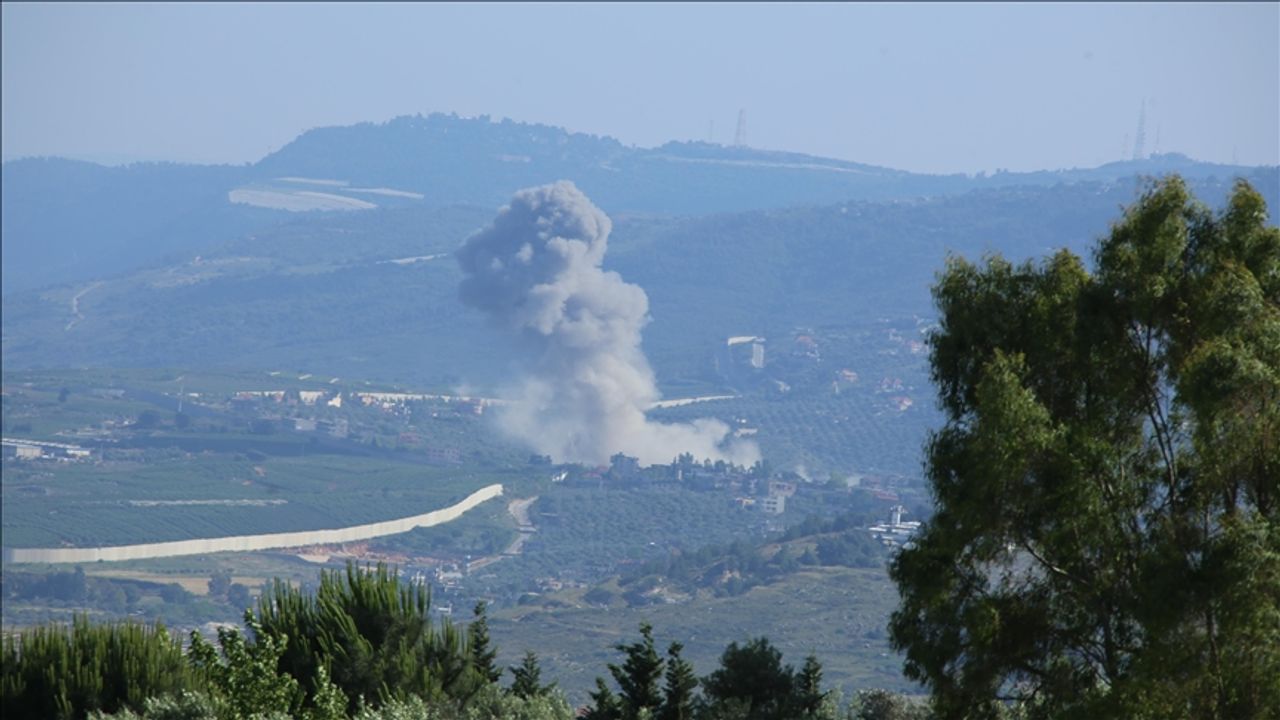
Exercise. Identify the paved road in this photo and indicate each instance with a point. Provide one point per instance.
(519, 510)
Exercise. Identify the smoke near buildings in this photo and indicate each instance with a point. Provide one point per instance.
(585, 385)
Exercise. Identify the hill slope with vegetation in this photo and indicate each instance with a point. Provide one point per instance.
(374, 294)
(68, 222)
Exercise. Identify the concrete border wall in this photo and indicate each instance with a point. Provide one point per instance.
(248, 543)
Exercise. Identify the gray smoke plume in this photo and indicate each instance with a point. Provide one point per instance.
(536, 271)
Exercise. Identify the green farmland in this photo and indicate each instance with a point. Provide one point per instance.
(117, 503)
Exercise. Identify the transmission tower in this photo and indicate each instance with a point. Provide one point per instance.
(740, 137)
(1140, 138)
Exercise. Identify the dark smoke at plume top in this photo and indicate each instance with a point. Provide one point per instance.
(537, 272)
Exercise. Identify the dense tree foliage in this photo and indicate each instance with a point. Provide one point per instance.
(883, 705)
(65, 672)
(131, 672)
(1106, 540)
(247, 673)
(244, 679)
(220, 583)
(375, 634)
(753, 681)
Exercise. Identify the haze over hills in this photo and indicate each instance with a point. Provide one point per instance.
(947, 388)
(375, 293)
(69, 221)
(180, 266)
(197, 267)
(204, 269)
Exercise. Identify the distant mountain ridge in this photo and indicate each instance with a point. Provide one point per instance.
(68, 221)
(374, 294)
(424, 154)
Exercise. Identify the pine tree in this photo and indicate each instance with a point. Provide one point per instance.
(677, 701)
(483, 657)
(640, 675)
(374, 633)
(56, 671)
(527, 678)
(605, 705)
(808, 692)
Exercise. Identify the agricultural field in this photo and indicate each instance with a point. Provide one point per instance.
(203, 496)
(171, 456)
(83, 382)
(611, 527)
(822, 436)
(831, 401)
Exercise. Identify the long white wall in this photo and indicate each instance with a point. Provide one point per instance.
(246, 543)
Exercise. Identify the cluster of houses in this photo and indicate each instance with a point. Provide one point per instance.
(22, 449)
(752, 488)
(389, 402)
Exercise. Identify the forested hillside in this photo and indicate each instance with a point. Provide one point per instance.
(69, 222)
(373, 293)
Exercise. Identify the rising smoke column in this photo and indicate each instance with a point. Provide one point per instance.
(536, 271)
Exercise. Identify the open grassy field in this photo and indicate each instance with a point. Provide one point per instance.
(838, 614)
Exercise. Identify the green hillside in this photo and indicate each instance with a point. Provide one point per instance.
(324, 293)
(68, 222)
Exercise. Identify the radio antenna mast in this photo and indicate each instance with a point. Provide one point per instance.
(1141, 137)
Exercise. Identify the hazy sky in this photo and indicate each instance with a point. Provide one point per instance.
(942, 88)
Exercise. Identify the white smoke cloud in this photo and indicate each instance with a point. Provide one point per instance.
(537, 271)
